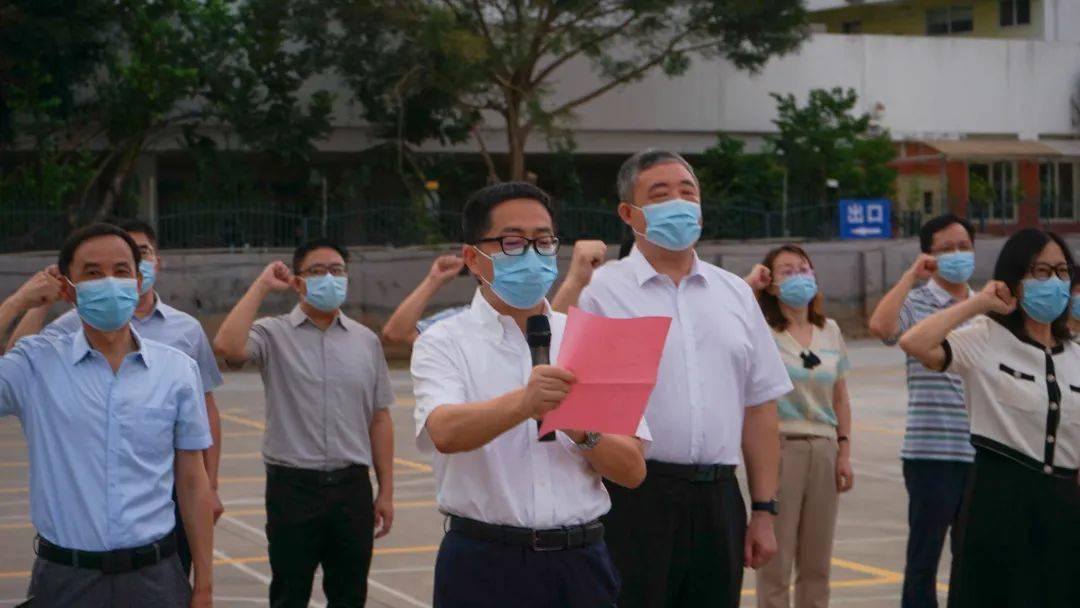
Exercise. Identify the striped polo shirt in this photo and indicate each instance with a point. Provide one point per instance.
(937, 420)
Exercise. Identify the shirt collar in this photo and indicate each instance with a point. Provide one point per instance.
(160, 309)
(644, 271)
(492, 322)
(944, 298)
(80, 347)
(297, 317)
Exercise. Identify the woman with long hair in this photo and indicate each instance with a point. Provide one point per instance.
(1020, 526)
(815, 429)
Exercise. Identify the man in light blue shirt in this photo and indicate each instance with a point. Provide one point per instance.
(157, 321)
(110, 419)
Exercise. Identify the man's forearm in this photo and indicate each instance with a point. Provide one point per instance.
(402, 324)
(382, 451)
(567, 295)
(761, 449)
(885, 321)
(619, 459)
(10, 309)
(196, 510)
(465, 427)
(212, 455)
(30, 324)
(231, 339)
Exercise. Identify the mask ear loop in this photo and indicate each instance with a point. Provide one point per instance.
(482, 279)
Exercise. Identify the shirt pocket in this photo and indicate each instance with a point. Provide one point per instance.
(1070, 409)
(1020, 389)
(151, 430)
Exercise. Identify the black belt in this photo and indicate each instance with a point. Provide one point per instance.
(109, 562)
(316, 477)
(694, 473)
(557, 539)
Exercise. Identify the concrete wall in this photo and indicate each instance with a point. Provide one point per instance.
(853, 277)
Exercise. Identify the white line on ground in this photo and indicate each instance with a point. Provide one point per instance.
(371, 583)
(255, 574)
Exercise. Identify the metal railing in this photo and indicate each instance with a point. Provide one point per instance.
(267, 225)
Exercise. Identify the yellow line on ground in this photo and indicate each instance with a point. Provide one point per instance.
(262, 559)
(15, 574)
(867, 569)
(237, 455)
(405, 402)
(248, 422)
(15, 526)
(19, 490)
(412, 464)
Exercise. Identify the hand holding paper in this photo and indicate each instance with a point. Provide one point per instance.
(615, 362)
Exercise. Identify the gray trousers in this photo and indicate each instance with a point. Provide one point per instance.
(162, 585)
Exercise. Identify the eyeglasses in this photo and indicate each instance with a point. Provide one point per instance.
(787, 273)
(318, 270)
(1043, 272)
(953, 249)
(518, 245)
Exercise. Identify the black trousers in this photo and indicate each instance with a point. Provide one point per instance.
(935, 494)
(677, 543)
(1019, 538)
(309, 524)
(472, 573)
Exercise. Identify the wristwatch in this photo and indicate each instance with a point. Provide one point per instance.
(591, 439)
(770, 506)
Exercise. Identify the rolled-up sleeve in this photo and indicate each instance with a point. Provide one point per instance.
(258, 337)
(192, 428)
(204, 357)
(768, 378)
(436, 381)
(14, 370)
(384, 389)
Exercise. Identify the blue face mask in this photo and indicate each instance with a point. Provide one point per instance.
(1076, 307)
(149, 276)
(522, 281)
(326, 293)
(106, 304)
(674, 225)
(956, 267)
(798, 291)
(1044, 301)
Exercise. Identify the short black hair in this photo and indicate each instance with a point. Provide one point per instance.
(939, 223)
(135, 225)
(302, 251)
(1014, 263)
(476, 218)
(80, 236)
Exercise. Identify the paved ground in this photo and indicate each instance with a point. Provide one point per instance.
(869, 554)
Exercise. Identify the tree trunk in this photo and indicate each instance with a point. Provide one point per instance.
(516, 136)
(118, 181)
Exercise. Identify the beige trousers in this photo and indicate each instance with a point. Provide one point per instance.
(805, 526)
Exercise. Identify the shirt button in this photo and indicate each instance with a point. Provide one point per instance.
(1049, 439)
(1050, 377)
(1053, 406)
(1048, 469)
(1017, 374)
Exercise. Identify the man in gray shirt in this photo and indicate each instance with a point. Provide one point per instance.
(327, 392)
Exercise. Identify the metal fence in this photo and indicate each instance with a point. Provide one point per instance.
(262, 225)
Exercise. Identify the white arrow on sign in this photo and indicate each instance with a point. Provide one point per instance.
(865, 231)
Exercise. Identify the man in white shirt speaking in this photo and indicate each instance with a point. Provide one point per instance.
(682, 538)
(523, 524)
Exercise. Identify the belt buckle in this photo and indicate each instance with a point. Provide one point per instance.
(330, 478)
(539, 548)
(704, 474)
(117, 562)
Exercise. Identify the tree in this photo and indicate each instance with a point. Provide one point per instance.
(433, 69)
(729, 175)
(148, 70)
(823, 140)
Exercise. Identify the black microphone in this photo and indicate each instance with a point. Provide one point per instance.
(538, 335)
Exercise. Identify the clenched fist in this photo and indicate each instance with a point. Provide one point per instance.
(548, 386)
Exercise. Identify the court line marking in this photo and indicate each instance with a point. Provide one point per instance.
(255, 424)
(377, 551)
(253, 573)
(408, 504)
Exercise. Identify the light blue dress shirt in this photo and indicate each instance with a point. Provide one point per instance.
(101, 444)
(166, 325)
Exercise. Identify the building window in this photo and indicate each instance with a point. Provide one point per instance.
(851, 27)
(1057, 185)
(1014, 12)
(949, 20)
(992, 190)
